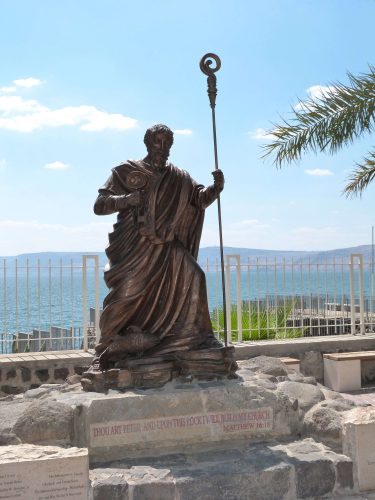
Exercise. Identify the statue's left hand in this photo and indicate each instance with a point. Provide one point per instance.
(218, 179)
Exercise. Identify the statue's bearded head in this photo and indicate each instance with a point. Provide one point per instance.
(158, 140)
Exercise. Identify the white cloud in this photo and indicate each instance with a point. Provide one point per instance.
(184, 131)
(318, 91)
(315, 93)
(27, 82)
(20, 236)
(319, 172)
(15, 104)
(26, 115)
(56, 165)
(3, 164)
(261, 134)
(7, 90)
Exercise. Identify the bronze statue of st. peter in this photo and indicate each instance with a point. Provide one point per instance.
(157, 303)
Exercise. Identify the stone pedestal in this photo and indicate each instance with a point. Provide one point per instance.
(304, 470)
(359, 444)
(180, 418)
(30, 472)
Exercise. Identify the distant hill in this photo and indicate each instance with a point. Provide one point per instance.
(55, 258)
(252, 254)
(208, 253)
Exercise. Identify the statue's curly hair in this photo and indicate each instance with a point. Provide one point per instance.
(154, 130)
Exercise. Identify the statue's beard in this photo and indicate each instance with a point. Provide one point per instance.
(159, 159)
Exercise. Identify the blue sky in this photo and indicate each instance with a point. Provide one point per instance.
(80, 81)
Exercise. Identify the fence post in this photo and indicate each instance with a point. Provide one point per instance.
(97, 299)
(4, 347)
(361, 296)
(228, 300)
(85, 258)
(84, 302)
(239, 298)
(352, 294)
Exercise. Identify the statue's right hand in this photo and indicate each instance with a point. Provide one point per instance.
(133, 199)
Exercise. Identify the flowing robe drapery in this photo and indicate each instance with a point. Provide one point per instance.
(154, 279)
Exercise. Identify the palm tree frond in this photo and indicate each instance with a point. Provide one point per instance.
(339, 116)
(361, 177)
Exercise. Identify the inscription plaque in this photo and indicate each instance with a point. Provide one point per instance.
(211, 425)
(29, 472)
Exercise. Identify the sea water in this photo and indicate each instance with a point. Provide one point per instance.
(38, 300)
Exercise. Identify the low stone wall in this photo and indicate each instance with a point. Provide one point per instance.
(308, 350)
(19, 372)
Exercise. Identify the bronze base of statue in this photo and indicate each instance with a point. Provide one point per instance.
(149, 372)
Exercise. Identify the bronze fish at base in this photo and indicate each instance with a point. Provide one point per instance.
(133, 341)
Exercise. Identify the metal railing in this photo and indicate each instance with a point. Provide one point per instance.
(55, 305)
(269, 299)
(43, 305)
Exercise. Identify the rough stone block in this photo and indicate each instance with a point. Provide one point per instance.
(266, 365)
(324, 420)
(318, 470)
(263, 471)
(230, 474)
(153, 490)
(314, 479)
(45, 421)
(307, 395)
(266, 483)
(43, 472)
(109, 484)
(36, 393)
(311, 364)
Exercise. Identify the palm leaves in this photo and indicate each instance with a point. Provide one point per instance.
(337, 118)
(362, 176)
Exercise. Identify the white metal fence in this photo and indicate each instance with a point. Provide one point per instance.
(55, 305)
(268, 299)
(44, 305)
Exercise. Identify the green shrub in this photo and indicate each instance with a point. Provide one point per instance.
(258, 323)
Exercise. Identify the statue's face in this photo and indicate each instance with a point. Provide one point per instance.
(159, 149)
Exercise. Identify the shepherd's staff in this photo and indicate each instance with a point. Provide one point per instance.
(205, 66)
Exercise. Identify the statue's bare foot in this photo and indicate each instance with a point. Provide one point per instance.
(211, 342)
